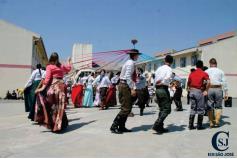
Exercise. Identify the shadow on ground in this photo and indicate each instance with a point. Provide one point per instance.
(174, 128)
(170, 127)
(75, 119)
(77, 126)
(147, 113)
(72, 127)
(142, 128)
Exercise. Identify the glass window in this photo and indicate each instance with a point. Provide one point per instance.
(183, 83)
(149, 67)
(155, 67)
(183, 62)
(194, 59)
(173, 64)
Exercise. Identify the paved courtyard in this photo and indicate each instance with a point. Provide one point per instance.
(88, 134)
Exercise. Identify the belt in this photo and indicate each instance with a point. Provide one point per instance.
(123, 81)
(161, 86)
(58, 78)
(141, 89)
(192, 88)
(215, 86)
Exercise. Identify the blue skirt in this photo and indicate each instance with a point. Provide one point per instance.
(88, 97)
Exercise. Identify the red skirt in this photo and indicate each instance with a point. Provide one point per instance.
(77, 95)
(111, 96)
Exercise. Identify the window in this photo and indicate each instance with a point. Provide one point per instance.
(149, 67)
(183, 62)
(160, 63)
(194, 59)
(183, 83)
(155, 67)
(173, 64)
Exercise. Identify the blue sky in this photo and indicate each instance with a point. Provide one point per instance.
(111, 24)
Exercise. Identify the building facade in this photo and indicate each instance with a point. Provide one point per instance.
(20, 50)
(82, 56)
(222, 47)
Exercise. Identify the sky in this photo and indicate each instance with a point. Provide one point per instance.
(158, 25)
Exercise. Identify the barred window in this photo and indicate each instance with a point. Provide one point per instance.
(173, 64)
(183, 62)
(194, 59)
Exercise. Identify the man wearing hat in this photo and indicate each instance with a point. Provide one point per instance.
(126, 91)
(163, 77)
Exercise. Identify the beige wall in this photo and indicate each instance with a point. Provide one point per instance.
(82, 53)
(15, 45)
(15, 49)
(13, 78)
(225, 52)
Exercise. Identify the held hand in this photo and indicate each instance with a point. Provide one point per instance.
(226, 97)
(158, 82)
(205, 93)
(133, 93)
(69, 60)
(38, 90)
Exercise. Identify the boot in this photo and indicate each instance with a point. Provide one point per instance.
(217, 117)
(115, 126)
(191, 120)
(131, 114)
(164, 129)
(122, 127)
(158, 126)
(141, 112)
(199, 123)
(179, 106)
(211, 118)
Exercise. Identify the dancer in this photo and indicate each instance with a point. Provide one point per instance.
(88, 95)
(111, 93)
(55, 101)
(29, 90)
(77, 90)
(126, 91)
(215, 93)
(162, 79)
(195, 84)
(141, 92)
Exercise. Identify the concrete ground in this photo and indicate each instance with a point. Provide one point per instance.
(88, 134)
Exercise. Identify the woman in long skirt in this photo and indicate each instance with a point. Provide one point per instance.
(29, 91)
(54, 102)
(97, 97)
(111, 92)
(88, 95)
(111, 95)
(96, 84)
(77, 94)
(77, 91)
